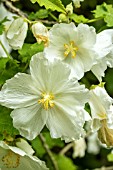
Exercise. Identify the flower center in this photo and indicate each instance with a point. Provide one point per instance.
(47, 100)
(70, 48)
(11, 160)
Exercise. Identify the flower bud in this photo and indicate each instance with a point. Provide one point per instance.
(63, 18)
(69, 8)
(40, 32)
(16, 33)
(77, 3)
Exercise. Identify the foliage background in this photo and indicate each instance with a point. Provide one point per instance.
(20, 63)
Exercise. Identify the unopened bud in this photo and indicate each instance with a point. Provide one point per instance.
(69, 8)
(77, 3)
(40, 32)
(16, 33)
(63, 18)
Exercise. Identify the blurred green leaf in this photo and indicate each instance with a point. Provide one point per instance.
(41, 14)
(51, 4)
(65, 163)
(8, 68)
(28, 50)
(101, 10)
(6, 125)
(105, 11)
(33, 1)
(37, 144)
(53, 142)
(110, 157)
(78, 18)
(2, 28)
(109, 18)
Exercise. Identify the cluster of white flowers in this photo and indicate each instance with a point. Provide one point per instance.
(51, 94)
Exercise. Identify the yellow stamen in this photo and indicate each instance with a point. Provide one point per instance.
(70, 48)
(47, 100)
(11, 160)
(42, 38)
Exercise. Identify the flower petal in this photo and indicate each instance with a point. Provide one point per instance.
(39, 71)
(99, 69)
(63, 125)
(77, 67)
(86, 36)
(19, 92)
(50, 75)
(30, 120)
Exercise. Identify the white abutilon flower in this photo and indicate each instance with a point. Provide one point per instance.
(46, 97)
(40, 32)
(77, 3)
(14, 158)
(73, 45)
(104, 47)
(16, 33)
(102, 111)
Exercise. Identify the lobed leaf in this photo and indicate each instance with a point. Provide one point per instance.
(106, 12)
(51, 4)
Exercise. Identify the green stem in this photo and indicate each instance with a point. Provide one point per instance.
(46, 147)
(95, 19)
(8, 55)
(53, 16)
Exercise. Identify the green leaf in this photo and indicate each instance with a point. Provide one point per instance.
(106, 12)
(28, 50)
(6, 125)
(8, 68)
(78, 18)
(38, 147)
(65, 163)
(109, 18)
(101, 10)
(51, 4)
(41, 14)
(110, 157)
(37, 144)
(33, 1)
(2, 28)
(53, 142)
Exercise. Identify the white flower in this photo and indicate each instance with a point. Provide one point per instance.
(104, 47)
(79, 148)
(46, 97)
(100, 103)
(102, 111)
(77, 3)
(73, 45)
(16, 33)
(12, 157)
(40, 32)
